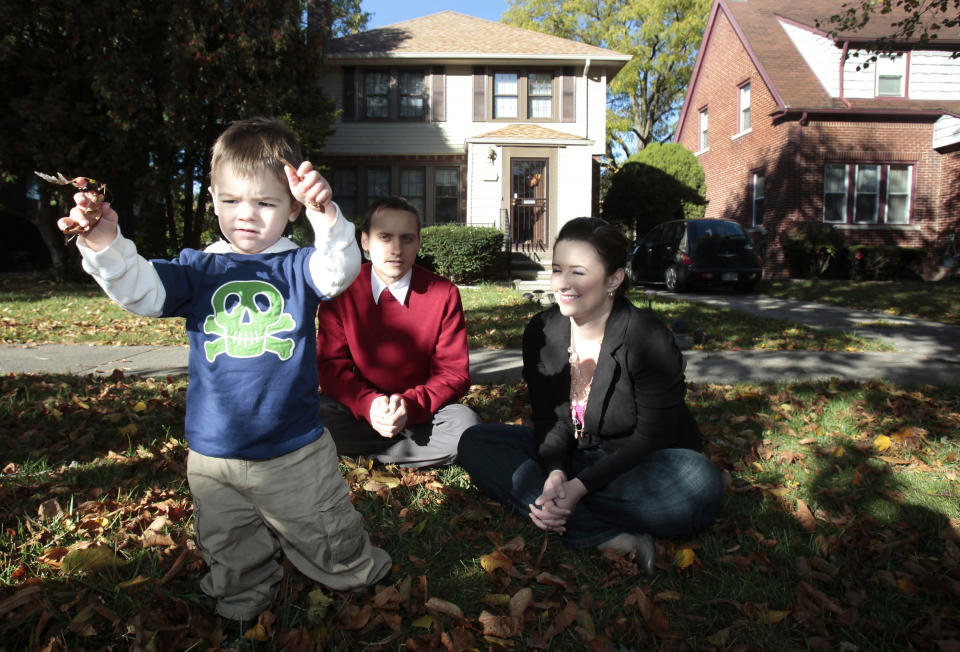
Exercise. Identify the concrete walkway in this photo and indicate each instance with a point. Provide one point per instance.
(927, 352)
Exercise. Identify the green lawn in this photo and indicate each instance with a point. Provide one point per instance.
(33, 310)
(841, 530)
(938, 301)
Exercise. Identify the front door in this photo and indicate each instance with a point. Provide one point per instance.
(528, 203)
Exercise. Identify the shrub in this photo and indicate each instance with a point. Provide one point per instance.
(885, 262)
(661, 182)
(464, 254)
(812, 249)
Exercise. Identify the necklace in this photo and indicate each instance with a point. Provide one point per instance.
(580, 383)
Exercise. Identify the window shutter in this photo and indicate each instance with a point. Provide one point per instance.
(479, 94)
(349, 94)
(568, 104)
(438, 95)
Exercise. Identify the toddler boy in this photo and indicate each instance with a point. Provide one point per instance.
(262, 468)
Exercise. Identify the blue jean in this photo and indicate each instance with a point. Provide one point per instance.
(671, 492)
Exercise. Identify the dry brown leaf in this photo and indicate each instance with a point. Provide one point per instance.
(805, 516)
(495, 560)
(444, 607)
(564, 619)
(500, 626)
(520, 601)
(152, 539)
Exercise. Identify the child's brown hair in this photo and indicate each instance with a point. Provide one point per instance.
(253, 145)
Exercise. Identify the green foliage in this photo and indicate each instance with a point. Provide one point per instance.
(902, 20)
(662, 35)
(885, 262)
(812, 248)
(464, 254)
(134, 93)
(659, 183)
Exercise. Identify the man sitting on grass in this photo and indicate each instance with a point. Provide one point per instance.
(392, 351)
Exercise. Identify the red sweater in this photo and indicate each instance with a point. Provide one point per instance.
(417, 350)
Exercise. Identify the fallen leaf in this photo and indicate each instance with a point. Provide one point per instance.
(564, 619)
(684, 558)
(444, 607)
(495, 560)
(256, 633)
(90, 560)
(882, 443)
(805, 516)
(496, 599)
(137, 581)
(500, 626)
(520, 601)
(423, 622)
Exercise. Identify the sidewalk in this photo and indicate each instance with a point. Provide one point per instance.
(927, 352)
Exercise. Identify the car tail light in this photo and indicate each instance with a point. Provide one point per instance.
(686, 260)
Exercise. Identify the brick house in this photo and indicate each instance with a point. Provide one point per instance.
(475, 122)
(788, 130)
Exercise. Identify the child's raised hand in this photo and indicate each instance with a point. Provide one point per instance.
(102, 233)
(310, 189)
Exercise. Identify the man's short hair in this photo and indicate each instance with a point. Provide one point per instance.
(395, 203)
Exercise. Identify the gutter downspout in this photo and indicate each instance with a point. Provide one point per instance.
(804, 119)
(586, 96)
(843, 62)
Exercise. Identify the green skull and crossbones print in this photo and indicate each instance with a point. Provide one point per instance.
(247, 315)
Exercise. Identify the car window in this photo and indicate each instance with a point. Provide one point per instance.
(653, 235)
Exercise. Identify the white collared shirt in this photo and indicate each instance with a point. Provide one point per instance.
(398, 288)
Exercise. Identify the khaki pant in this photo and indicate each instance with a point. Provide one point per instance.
(247, 511)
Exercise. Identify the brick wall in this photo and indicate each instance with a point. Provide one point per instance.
(791, 153)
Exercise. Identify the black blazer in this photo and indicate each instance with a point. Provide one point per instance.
(636, 402)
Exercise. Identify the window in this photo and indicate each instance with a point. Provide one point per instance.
(540, 95)
(413, 187)
(703, 130)
(834, 193)
(759, 181)
(528, 95)
(376, 94)
(867, 193)
(744, 108)
(891, 73)
(447, 189)
(378, 184)
(345, 191)
(506, 94)
(388, 94)
(898, 194)
(411, 94)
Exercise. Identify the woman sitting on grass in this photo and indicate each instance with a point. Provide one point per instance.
(612, 458)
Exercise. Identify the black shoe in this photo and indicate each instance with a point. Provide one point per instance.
(646, 554)
(233, 631)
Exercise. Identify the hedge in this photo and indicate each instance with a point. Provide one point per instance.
(464, 254)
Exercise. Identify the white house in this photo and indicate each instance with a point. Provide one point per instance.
(473, 121)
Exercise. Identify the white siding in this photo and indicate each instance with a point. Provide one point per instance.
(934, 76)
(859, 84)
(573, 194)
(484, 185)
(820, 55)
(448, 137)
(946, 131)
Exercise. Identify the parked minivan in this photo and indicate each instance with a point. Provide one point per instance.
(688, 253)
